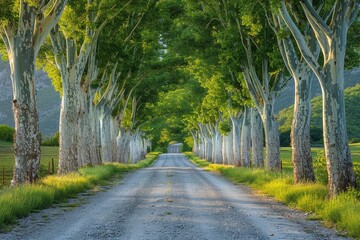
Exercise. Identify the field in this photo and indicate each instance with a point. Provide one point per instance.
(49, 153)
(7, 161)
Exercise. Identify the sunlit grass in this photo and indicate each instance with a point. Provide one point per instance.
(67, 185)
(20, 201)
(342, 211)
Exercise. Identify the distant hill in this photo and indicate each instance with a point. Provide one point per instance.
(286, 99)
(48, 101)
(352, 108)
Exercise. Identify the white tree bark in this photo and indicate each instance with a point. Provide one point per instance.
(217, 147)
(272, 138)
(123, 141)
(114, 132)
(89, 150)
(23, 40)
(69, 123)
(224, 149)
(230, 154)
(246, 138)
(236, 125)
(257, 139)
(106, 145)
(72, 111)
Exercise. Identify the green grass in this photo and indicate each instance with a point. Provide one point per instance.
(7, 161)
(20, 201)
(342, 211)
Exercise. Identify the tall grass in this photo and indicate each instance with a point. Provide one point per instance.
(20, 201)
(342, 211)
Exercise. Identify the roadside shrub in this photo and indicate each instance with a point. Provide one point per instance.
(7, 133)
(319, 163)
(51, 141)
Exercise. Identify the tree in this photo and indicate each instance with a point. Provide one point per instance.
(332, 39)
(262, 73)
(24, 26)
(71, 60)
(302, 75)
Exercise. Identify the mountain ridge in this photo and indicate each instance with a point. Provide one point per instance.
(47, 98)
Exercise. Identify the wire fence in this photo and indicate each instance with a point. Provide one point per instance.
(48, 162)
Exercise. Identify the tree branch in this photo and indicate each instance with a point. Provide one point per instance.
(58, 48)
(315, 19)
(301, 42)
(353, 11)
(43, 26)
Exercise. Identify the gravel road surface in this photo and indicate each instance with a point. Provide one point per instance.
(173, 199)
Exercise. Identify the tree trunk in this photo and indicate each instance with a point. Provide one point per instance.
(300, 129)
(272, 138)
(95, 134)
(195, 148)
(230, 154)
(27, 140)
(123, 146)
(332, 39)
(85, 132)
(209, 150)
(246, 139)
(257, 139)
(236, 122)
(224, 150)
(218, 147)
(106, 147)
(337, 151)
(114, 132)
(69, 123)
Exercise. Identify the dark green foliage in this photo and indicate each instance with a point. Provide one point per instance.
(316, 135)
(51, 141)
(7, 133)
(224, 127)
(285, 138)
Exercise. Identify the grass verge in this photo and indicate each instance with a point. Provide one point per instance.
(343, 212)
(20, 201)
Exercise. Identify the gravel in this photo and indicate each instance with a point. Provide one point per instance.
(173, 199)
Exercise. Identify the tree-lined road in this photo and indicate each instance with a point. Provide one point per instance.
(173, 199)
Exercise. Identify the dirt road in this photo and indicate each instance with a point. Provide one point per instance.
(173, 199)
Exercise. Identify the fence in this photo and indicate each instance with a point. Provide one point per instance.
(48, 162)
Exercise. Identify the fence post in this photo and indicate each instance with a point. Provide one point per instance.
(53, 167)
